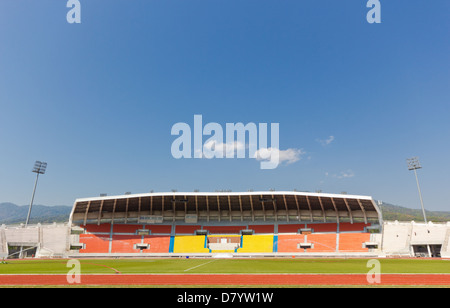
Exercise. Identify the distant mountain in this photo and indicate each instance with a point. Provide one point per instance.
(11, 213)
(400, 213)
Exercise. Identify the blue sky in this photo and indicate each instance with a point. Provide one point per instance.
(97, 100)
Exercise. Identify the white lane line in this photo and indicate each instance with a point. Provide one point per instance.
(198, 265)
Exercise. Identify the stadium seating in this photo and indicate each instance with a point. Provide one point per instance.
(182, 229)
(159, 229)
(353, 242)
(322, 242)
(289, 243)
(190, 244)
(119, 228)
(158, 243)
(357, 226)
(326, 237)
(290, 228)
(256, 243)
(125, 243)
(260, 229)
(323, 227)
(124, 237)
(93, 228)
(94, 243)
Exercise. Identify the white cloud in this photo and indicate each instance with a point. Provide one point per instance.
(326, 141)
(342, 175)
(217, 149)
(346, 174)
(213, 148)
(289, 156)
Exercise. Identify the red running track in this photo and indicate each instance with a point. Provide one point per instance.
(229, 279)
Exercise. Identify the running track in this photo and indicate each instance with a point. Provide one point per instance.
(228, 279)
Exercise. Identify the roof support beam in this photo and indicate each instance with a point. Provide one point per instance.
(207, 209)
(275, 208)
(86, 213)
(323, 211)
(151, 205)
(139, 207)
(363, 210)
(114, 211)
(253, 212)
(173, 208)
(335, 209)
(229, 207)
(298, 208)
(126, 210)
(262, 205)
(380, 216)
(285, 205)
(218, 207)
(196, 205)
(100, 213)
(240, 206)
(309, 206)
(349, 210)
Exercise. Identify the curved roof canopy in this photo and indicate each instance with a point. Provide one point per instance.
(227, 206)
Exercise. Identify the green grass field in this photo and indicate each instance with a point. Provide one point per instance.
(226, 266)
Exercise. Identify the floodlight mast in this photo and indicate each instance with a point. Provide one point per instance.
(414, 164)
(39, 168)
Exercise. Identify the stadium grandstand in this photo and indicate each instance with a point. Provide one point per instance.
(252, 223)
(228, 224)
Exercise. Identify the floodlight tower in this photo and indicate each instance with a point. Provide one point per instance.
(414, 164)
(39, 168)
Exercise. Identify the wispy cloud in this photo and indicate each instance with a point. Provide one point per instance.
(288, 156)
(342, 175)
(217, 149)
(346, 174)
(213, 148)
(327, 141)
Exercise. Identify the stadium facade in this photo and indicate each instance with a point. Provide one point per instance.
(228, 224)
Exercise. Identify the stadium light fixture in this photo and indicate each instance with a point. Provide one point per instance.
(39, 168)
(414, 164)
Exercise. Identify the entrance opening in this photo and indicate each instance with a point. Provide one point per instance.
(27, 251)
(424, 251)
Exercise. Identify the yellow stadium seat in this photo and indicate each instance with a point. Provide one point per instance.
(190, 244)
(256, 243)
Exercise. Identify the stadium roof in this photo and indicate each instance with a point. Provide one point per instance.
(226, 206)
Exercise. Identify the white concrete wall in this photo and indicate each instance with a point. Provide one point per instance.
(445, 252)
(51, 240)
(431, 234)
(55, 239)
(3, 246)
(398, 237)
(24, 236)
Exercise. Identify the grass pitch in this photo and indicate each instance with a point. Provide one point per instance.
(227, 266)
